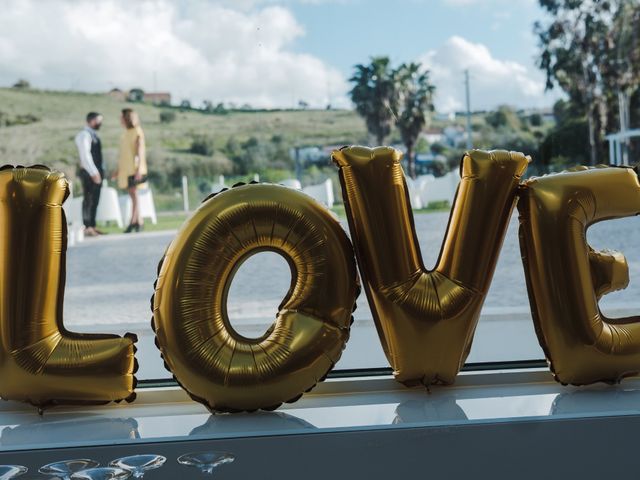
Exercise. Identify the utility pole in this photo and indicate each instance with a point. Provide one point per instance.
(623, 109)
(466, 87)
(297, 163)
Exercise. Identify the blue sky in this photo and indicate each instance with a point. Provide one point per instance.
(349, 31)
(272, 53)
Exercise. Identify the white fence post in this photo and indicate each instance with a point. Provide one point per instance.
(185, 193)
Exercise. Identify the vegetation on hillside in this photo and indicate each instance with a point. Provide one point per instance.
(239, 144)
(190, 142)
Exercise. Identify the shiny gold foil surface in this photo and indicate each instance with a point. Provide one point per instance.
(426, 319)
(213, 363)
(566, 277)
(40, 361)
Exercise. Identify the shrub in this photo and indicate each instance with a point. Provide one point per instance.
(256, 154)
(567, 143)
(202, 145)
(535, 120)
(21, 119)
(165, 172)
(167, 116)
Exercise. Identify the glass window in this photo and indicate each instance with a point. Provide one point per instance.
(260, 89)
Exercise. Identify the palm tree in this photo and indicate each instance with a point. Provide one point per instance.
(415, 104)
(375, 96)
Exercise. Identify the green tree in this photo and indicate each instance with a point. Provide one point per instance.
(207, 106)
(564, 143)
(22, 84)
(591, 50)
(375, 96)
(570, 51)
(415, 103)
(504, 117)
(621, 72)
(135, 95)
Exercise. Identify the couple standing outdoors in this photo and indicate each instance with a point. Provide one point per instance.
(131, 171)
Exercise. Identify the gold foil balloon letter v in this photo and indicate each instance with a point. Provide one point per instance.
(566, 277)
(40, 361)
(426, 319)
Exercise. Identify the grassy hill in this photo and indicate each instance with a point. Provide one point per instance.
(38, 126)
(49, 140)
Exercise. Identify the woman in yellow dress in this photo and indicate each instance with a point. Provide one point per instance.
(132, 164)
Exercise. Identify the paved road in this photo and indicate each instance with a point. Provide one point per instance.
(110, 281)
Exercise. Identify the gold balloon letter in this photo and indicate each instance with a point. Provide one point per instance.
(41, 362)
(216, 365)
(566, 278)
(426, 319)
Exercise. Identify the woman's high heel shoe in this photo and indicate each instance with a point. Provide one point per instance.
(132, 227)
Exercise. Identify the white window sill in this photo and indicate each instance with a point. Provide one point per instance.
(338, 405)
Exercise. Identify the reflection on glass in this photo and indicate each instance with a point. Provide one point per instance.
(596, 400)
(272, 422)
(102, 473)
(206, 462)
(431, 409)
(138, 464)
(65, 468)
(65, 428)
(7, 472)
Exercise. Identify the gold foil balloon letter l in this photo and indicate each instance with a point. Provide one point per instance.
(40, 361)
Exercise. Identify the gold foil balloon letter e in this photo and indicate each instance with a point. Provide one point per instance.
(426, 319)
(566, 277)
(40, 361)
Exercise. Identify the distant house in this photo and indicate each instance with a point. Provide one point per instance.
(433, 135)
(454, 135)
(431, 164)
(117, 94)
(157, 98)
(309, 154)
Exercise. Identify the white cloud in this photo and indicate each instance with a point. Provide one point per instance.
(240, 51)
(196, 49)
(493, 81)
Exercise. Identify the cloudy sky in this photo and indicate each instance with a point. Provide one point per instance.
(272, 53)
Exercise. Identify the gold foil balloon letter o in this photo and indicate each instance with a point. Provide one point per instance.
(40, 361)
(566, 277)
(426, 319)
(216, 365)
